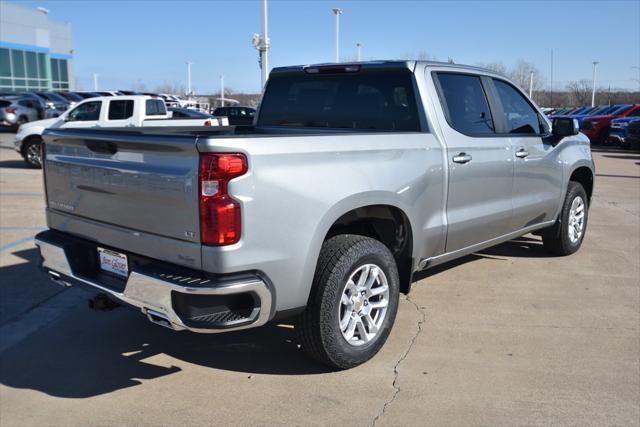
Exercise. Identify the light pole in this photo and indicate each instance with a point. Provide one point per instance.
(262, 43)
(189, 78)
(531, 85)
(221, 90)
(359, 46)
(551, 91)
(593, 91)
(337, 12)
(95, 81)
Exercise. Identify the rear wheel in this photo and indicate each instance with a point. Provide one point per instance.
(353, 302)
(31, 153)
(566, 235)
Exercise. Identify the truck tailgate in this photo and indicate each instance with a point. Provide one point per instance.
(136, 182)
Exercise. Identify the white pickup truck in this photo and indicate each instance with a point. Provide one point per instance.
(105, 112)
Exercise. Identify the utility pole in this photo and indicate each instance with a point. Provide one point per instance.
(338, 12)
(359, 46)
(95, 81)
(593, 91)
(531, 85)
(189, 78)
(221, 90)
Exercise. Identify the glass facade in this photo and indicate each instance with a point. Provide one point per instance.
(59, 74)
(24, 70)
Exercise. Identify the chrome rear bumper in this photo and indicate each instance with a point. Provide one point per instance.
(152, 293)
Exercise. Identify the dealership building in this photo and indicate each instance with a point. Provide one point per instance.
(35, 52)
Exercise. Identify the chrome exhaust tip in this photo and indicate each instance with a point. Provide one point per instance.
(159, 318)
(58, 279)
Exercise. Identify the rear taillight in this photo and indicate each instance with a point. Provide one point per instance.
(11, 110)
(220, 217)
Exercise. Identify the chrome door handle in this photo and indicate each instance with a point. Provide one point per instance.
(522, 153)
(462, 158)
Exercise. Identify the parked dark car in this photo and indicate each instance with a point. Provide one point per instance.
(129, 92)
(53, 100)
(70, 96)
(633, 135)
(87, 95)
(236, 115)
(184, 113)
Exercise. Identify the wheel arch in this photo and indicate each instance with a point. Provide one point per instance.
(370, 215)
(585, 176)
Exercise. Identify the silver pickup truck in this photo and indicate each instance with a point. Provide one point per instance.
(352, 178)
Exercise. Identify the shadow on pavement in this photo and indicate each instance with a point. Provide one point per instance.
(14, 164)
(86, 353)
(624, 157)
(522, 247)
(23, 286)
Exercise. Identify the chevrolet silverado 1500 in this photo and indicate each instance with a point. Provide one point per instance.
(352, 178)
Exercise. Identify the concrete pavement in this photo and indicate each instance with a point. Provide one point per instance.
(508, 336)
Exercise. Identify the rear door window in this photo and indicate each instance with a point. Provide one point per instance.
(359, 101)
(465, 104)
(120, 109)
(155, 107)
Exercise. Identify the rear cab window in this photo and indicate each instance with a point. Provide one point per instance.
(380, 100)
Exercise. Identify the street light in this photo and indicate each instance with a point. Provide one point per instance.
(95, 81)
(338, 12)
(531, 85)
(359, 46)
(593, 91)
(221, 90)
(189, 78)
(262, 43)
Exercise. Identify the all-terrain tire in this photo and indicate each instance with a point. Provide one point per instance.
(560, 239)
(318, 327)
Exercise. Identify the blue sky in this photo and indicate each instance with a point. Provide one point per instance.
(127, 42)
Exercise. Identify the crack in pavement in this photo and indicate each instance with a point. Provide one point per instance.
(396, 373)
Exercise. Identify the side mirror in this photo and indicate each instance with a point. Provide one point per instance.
(565, 126)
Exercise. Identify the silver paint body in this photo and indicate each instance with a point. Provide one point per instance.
(144, 199)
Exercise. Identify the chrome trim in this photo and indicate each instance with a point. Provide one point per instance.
(153, 295)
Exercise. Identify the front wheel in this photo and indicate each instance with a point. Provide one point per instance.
(566, 235)
(353, 302)
(31, 153)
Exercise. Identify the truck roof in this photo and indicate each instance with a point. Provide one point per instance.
(382, 64)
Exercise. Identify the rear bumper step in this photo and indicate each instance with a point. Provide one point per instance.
(178, 302)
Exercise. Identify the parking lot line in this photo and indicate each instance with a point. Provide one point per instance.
(15, 243)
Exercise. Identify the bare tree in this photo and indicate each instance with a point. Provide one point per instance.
(498, 67)
(521, 75)
(171, 88)
(579, 92)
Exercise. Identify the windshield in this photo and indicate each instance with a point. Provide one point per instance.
(363, 101)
